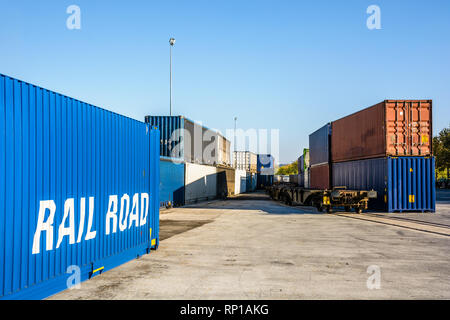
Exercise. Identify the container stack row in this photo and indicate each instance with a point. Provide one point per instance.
(245, 163)
(195, 162)
(386, 147)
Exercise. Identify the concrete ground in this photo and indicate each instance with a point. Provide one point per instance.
(254, 248)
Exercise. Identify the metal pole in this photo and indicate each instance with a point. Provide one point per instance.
(235, 155)
(170, 80)
(235, 119)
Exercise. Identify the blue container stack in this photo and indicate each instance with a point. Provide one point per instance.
(265, 170)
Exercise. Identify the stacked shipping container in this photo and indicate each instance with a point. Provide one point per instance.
(184, 141)
(190, 141)
(265, 170)
(387, 147)
(248, 161)
(319, 157)
(245, 160)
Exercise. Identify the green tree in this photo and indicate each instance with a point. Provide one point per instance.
(441, 150)
(288, 169)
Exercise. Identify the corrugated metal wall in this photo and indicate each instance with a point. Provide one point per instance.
(263, 180)
(66, 167)
(171, 185)
(200, 182)
(320, 177)
(265, 164)
(171, 132)
(190, 141)
(225, 181)
(245, 160)
(411, 184)
(403, 184)
(252, 181)
(240, 184)
(319, 146)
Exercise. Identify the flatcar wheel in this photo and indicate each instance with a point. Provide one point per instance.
(319, 208)
(329, 209)
(359, 210)
(347, 209)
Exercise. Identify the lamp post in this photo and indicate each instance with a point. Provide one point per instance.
(171, 42)
(235, 154)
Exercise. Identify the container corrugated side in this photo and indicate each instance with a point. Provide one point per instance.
(200, 183)
(171, 184)
(319, 145)
(251, 182)
(303, 179)
(303, 161)
(171, 129)
(320, 177)
(293, 178)
(389, 128)
(225, 181)
(182, 138)
(265, 164)
(402, 183)
(265, 180)
(240, 181)
(245, 160)
(74, 179)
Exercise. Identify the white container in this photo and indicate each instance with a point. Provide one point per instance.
(240, 181)
(245, 160)
(200, 182)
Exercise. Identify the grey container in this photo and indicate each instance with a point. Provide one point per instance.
(186, 140)
(319, 146)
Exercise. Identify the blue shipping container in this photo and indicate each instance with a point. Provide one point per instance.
(265, 164)
(403, 183)
(319, 146)
(171, 185)
(264, 181)
(251, 182)
(171, 134)
(78, 190)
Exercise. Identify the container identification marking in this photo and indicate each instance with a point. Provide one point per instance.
(125, 220)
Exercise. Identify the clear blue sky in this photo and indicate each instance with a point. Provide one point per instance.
(292, 65)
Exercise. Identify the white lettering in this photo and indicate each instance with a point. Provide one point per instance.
(134, 215)
(144, 203)
(46, 226)
(69, 210)
(112, 214)
(123, 218)
(90, 234)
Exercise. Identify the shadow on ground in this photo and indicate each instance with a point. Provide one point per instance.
(247, 201)
(170, 228)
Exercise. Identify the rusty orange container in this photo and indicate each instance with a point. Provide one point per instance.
(320, 177)
(389, 128)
